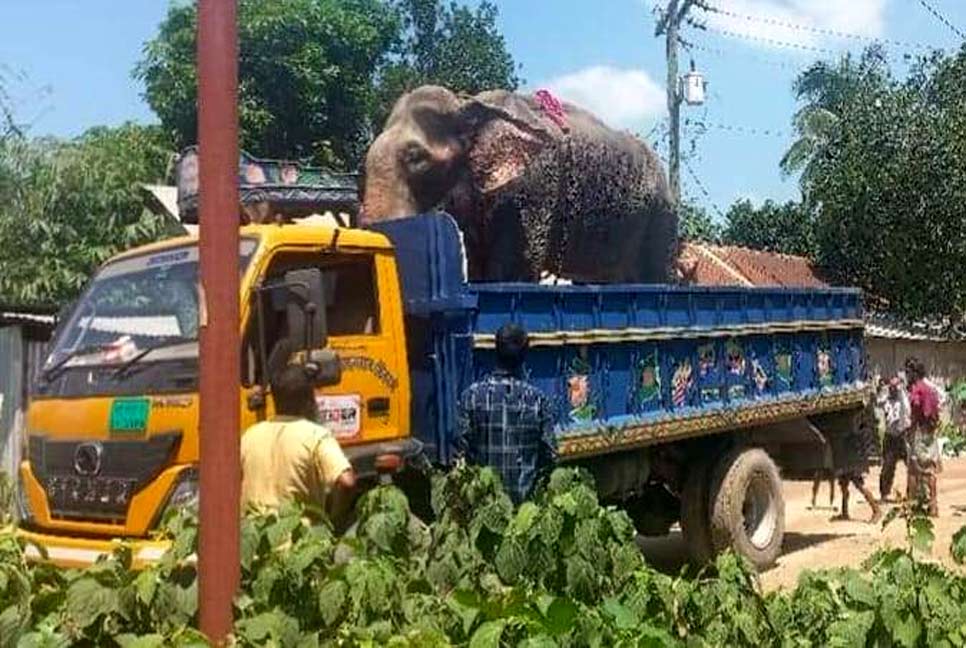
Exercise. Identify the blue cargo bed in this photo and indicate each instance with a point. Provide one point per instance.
(626, 365)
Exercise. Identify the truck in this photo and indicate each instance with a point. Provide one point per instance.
(687, 404)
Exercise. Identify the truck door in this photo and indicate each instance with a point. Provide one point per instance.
(365, 406)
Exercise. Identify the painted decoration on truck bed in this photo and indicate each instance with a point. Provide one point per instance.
(760, 377)
(681, 382)
(823, 364)
(736, 366)
(578, 389)
(649, 388)
(709, 382)
(783, 368)
(341, 414)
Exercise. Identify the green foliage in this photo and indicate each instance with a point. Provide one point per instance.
(8, 125)
(883, 165)
(446, 44)
(305, 74)
(66, 207)
(695, 224)
(316, 77)
(558, 571)
(785, 228)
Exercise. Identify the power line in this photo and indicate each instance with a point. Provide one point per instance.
(717, 51)
(704, 190)
(941, 18)
(814, 30)
(772, 41)
(743, 130)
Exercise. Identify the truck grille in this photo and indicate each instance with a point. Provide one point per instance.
(87, 479)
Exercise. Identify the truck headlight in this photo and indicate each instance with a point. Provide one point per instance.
(184, 494)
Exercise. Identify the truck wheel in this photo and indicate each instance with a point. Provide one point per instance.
(747, 507)
(695, 517)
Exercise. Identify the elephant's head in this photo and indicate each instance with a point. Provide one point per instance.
(435, 140)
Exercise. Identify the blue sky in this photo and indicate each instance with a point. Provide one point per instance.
(72, 61)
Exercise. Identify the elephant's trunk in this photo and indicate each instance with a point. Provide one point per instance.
(385, 194)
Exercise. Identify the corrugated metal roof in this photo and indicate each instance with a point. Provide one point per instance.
(883, 325)
(896, 333)
(26, 317)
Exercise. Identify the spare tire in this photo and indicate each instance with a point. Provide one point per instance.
(747, 508)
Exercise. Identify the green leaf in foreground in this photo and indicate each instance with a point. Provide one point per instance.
(488, 635)
(958, 547)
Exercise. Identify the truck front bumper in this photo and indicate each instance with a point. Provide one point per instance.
(67, 551)
(363, 457)
(72, 551)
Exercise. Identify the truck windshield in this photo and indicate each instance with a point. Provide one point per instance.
(144, 302)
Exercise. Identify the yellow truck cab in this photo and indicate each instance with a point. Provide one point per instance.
(111, 438)
(112, 427)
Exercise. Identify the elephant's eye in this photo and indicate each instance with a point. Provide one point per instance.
(416, 157)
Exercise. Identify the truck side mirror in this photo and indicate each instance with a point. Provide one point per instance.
(305, 308)
(325, 367)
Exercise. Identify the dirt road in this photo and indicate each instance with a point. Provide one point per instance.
(812, 541)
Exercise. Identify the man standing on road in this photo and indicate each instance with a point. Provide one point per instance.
(894, 445)
(506, 423)
(291, 457)
(924, 447)
(852, 452)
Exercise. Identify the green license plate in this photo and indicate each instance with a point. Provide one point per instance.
(129, 415)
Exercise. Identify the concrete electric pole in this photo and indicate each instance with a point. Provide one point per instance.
(669, 24)
(218, 543)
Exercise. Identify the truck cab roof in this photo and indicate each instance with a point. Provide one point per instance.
(274, 235)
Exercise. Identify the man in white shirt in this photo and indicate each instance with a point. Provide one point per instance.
(895, 446)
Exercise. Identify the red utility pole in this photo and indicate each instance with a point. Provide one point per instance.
(218, 560)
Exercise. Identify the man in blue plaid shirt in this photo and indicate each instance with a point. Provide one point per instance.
(506, 423)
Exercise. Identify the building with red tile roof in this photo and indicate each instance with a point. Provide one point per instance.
(727, 265)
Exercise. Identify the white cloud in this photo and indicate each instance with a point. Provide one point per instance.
(623, 98)
(860, 17)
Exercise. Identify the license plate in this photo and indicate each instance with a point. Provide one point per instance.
(340, 414)
(129, 415)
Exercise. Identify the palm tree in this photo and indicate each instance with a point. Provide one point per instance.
(826, 89)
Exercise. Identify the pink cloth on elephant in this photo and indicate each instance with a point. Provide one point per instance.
(552, 107)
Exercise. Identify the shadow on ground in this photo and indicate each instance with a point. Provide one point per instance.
(668, 553)
(795, 541)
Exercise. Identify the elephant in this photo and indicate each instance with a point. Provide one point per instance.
(537, 187)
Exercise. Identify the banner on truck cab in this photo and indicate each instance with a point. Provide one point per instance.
(341, 414)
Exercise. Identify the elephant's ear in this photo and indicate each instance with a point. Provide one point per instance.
(504, 132)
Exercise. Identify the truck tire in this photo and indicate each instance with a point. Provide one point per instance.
(747, 509)
(695, 515)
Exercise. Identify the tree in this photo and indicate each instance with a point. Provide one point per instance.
(65, 207)
(306, 70)
(317, 76)
(696, 225)
(450, 45)
(787, 228)
(826, 89)
(888, 183)
(8, 124)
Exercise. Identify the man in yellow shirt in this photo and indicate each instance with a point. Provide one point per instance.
(291, 457)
